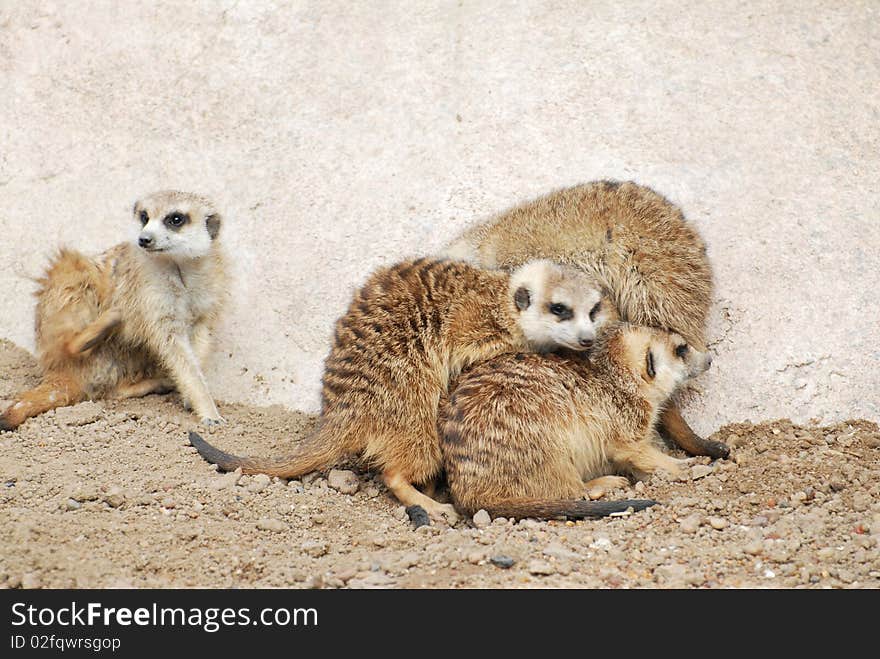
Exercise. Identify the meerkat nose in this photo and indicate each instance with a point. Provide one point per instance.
(145, 241)
(708, 360)
(586, 343)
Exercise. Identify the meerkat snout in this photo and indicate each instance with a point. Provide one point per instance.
(558, 305)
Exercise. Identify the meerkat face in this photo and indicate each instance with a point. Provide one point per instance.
(558, 306)
(176, 225)
(663, 359)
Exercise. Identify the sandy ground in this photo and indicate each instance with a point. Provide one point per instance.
(110, 494)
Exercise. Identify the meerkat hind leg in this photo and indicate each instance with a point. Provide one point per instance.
(644, 459)
(673, 426)
(143, 388)
(94, 332)
(408, 495)
(607, 482)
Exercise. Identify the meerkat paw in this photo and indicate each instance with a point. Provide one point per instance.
(598, 487)
(212, 421)
(677, 467)
(444, 512)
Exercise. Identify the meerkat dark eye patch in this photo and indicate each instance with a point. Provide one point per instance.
(522, 298)
(176, 220)
(681, 351)
(595, 310)
(144, 218)
(561, 311)
(212, 224)
(649, 365)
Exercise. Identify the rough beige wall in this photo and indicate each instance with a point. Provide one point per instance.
(338, 136)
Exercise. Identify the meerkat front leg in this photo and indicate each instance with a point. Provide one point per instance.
(202, 342)
(182, 363)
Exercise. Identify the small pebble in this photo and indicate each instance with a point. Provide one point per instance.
(718, 523)
(269, 524)
(502, 561)
(314, 548)
(691, 523)
(541, 568)
(700, 471)
(482, 519)
(259, 483)
(343, 481)
(30, 580)
(754, 548)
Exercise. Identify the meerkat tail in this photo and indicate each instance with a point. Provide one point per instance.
(53, 392)
(570, 508)
(317, 451)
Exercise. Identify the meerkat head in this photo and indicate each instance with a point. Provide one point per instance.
(176, 224)
(657, 359)
(558, 306)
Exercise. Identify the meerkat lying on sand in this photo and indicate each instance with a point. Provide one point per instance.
(526, 435)
(637, 244)
(135, 320)
(408, 332)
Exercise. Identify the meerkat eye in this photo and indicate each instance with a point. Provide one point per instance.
(144, 217)
(175, 220)
(649, 364)
(681, 350)
(562, 311)
(595, 310)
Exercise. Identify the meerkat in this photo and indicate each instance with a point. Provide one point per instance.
(135, 320)
(636, 243)
(408, 331)
(526, 435)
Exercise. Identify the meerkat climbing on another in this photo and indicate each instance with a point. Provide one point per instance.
(637, 244)
(526, 435)
(135, 320)
(409, 330)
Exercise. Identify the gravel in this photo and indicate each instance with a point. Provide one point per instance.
(110, 493)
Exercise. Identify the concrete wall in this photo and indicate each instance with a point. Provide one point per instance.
(338, 136)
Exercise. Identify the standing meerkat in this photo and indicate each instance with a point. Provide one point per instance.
(523, 435)
(135, 320)
(636, 243)
(408, 332)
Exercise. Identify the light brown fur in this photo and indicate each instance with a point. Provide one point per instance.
(131, 322)
(409, 330)
(635, 242)
(526, 435)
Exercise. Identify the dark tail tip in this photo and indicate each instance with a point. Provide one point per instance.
(418, 516)
(605, 508)
(6, 425)
(225, 461)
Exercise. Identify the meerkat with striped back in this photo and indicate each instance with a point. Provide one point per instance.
(410, 329)
(527, 435)
(651, 261)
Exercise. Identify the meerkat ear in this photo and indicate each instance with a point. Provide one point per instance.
(212, 223)
(522, 298)
(649, 364)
